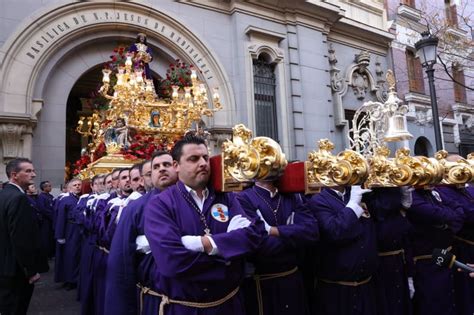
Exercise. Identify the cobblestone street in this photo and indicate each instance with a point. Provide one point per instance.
(50, 299)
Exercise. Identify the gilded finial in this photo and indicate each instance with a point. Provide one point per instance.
(391, 80)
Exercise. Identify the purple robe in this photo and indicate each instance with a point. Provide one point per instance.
(83, 211)
(393, 234)
(90, 225)
(144, 65)
(434, 227)
(348, 252)
(126, 266)
(102, 223)
(281, 295)
(68, 254)
(194, 276)
(45, 206)
(463, 246)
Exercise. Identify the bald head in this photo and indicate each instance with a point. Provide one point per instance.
(454, 158)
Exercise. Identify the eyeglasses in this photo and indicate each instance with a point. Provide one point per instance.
(147, 174)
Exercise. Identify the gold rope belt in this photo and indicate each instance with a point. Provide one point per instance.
(105, 250)
(165, 300)
(464, 240)
(268, 276)
(348, 283)
(393, 253)
(424, 257)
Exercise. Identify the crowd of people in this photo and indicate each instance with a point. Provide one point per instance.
(157, 238)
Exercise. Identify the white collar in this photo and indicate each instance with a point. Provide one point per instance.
(205, 192)
(199, 201)
(21, 189)
(272, 193)
(339, 193)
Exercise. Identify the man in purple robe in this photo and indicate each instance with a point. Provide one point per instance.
(347, 250)
(68, 238)
(463, 245)
(103, 222)
(130, 260)
(146, 174)
(393, 279)
(274, 284)
(199, 238)
(45, 206)
(435, 225)
(84, 213)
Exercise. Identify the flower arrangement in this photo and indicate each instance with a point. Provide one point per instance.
(142, 147)
(178, 74)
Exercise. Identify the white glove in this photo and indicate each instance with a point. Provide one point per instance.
(407, 198)
(291, 219)
(356, 198)
(238, 222)
(267, 226)
(411, 287)
(61, 241)
(193, 243)
(142, 244)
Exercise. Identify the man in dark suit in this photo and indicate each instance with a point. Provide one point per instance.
(19, 235)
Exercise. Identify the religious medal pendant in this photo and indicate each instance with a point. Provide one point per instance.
(207, 232)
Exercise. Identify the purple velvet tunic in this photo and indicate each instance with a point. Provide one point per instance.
(194, 276)
(90, 229)
(68, 254)
(281, 295)
(100, 257)
(126, 266)
(347, 252)
(83, 216)
(434, 227)
(463, 246)
(393, 234)
(45, 206)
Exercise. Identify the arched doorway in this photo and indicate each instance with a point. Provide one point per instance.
(80, 44)
(423, 147)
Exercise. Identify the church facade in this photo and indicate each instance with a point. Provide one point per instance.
(292, 70)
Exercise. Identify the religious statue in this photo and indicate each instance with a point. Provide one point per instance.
(118, 133)
(142, 54)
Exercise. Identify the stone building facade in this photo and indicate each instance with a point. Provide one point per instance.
(407, 19)
(324, 58)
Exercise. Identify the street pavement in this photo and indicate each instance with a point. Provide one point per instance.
(50, 299)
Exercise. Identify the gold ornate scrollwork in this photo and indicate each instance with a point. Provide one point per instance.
(381, 169)
(246, 158)
(325, 169)
(455, 172)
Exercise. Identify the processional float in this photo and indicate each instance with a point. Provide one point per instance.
(366, 163)
(134, 108)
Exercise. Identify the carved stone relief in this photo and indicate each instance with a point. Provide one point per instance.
(10, 135)
(358, 77)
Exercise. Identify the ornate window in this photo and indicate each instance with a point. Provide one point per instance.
(265, 98)
(415, 73)
(459, 85)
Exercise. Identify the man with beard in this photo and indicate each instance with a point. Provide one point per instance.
(19, 235)
(68, 238)
(199, 238)
(130, 260)
(104, 219)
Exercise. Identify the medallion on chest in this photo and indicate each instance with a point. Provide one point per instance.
(220, 212)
